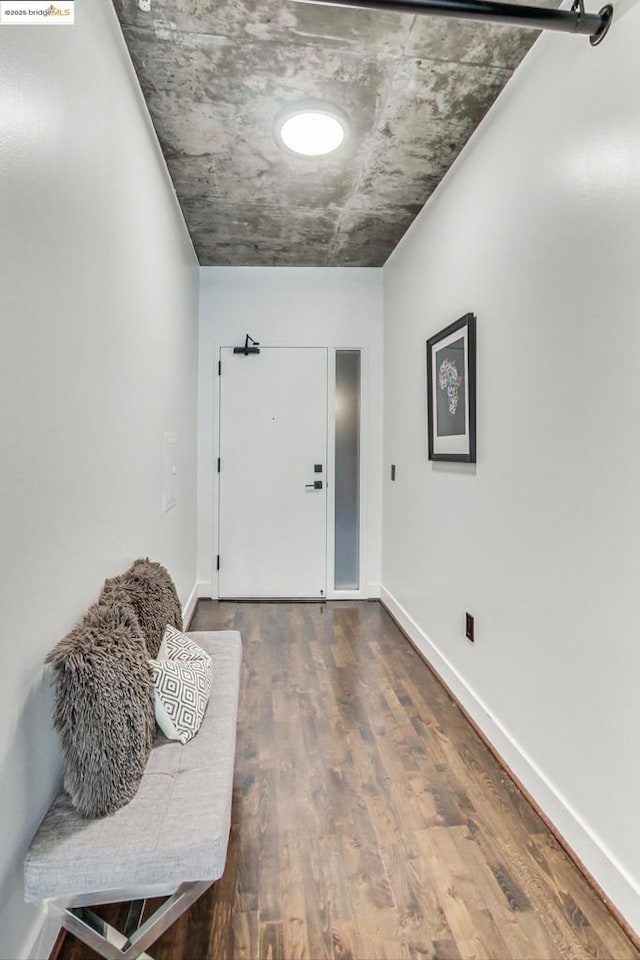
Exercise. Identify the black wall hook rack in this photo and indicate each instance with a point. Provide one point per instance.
(593, 25)
(246, 350)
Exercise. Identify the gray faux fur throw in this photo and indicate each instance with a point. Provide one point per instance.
(104, 710)
(149, 590)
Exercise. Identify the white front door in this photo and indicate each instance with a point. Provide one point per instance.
(273, 466)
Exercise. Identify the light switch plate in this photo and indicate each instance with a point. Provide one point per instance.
(169, 471)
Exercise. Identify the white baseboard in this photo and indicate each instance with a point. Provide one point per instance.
(190, 606)
(205, 590)
(201, 589)
(616, 884)
(44, 934)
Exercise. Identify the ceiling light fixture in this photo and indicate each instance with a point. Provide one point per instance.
(311, 128)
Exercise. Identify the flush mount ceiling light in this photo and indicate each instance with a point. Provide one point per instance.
(311, 128)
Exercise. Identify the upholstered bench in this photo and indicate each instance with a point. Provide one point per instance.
(170, 840)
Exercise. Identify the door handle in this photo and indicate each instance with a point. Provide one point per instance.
(316, 485)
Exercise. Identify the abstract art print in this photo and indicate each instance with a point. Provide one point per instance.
(451, 392)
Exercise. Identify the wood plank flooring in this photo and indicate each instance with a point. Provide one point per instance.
(370, 820)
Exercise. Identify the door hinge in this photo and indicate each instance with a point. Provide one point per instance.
(219, 367)
(218, 464)
(218, 562)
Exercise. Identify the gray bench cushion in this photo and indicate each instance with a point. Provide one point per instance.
(174, 830)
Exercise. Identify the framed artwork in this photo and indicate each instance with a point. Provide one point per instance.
(451, 392)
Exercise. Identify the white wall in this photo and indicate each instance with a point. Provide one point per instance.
(537, 230)
(98, 357)
(337, 308)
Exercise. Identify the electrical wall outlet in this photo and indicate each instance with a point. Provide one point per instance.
(145, 5)
(470, 628)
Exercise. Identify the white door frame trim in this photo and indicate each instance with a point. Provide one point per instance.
(365, 426)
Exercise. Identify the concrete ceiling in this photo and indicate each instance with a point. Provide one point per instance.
(216, 72)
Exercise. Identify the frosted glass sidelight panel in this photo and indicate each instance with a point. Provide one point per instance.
(347, 482)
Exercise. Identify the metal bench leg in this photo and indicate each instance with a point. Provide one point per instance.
(96, 933)
(134, 917)
(113, 945)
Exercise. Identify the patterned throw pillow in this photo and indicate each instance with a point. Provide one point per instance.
(178, 646)
(182, 676)
(182, 689)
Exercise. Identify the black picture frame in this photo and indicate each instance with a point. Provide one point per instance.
(451, 392)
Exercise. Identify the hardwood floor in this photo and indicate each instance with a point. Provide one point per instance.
(370, 820)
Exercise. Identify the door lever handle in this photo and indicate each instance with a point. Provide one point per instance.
(316, 485)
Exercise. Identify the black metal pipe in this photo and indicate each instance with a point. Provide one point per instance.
(594, 25)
